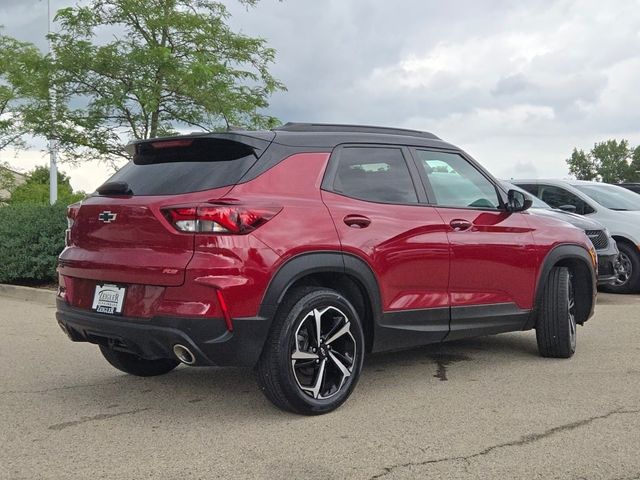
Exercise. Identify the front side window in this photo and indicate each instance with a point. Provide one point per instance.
(560, 198)
(374, 174)
(457, 183)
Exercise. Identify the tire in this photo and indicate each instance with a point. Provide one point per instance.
(556, 325)
(134, 365)
(627, 268)
(297, 371)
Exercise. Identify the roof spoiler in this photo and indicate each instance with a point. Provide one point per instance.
(189, 147)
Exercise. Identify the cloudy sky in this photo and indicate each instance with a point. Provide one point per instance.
(517, 84)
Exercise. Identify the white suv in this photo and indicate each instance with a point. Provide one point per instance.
(615, 207)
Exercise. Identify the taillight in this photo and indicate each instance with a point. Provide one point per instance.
(72, 214)
(226, 219)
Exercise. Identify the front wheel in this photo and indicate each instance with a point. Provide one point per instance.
(556, 325)
(627, 270)
(313, 356)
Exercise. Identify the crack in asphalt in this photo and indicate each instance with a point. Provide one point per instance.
(53, 389)
(100, 416)
(525, 440)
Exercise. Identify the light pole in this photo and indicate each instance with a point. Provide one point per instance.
(53, 167)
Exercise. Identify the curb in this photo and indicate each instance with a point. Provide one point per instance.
(29, 294)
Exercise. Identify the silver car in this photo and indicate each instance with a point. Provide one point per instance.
(602, 241)
(615, 207)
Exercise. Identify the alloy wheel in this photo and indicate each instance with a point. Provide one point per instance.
(572, 314)
(623, 269)
(323, 352)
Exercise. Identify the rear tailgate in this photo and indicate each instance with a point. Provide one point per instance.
(121, 235)
(128, 240)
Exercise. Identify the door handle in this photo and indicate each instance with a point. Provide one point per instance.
(357, 221)
(460, 225)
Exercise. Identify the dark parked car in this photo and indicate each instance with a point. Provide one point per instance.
(634, 187)
(604, 244)
(299, 250)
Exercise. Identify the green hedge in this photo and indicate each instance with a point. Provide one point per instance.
(31, 238)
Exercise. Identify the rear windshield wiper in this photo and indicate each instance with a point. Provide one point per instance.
(115, 188)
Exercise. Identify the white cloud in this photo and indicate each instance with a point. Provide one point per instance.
(517, 83)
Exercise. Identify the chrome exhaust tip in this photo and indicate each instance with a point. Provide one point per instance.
(183, 354)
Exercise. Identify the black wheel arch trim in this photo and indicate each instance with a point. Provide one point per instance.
(554, 256)
(309, 263)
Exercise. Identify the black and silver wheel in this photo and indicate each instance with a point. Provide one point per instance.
(134, 365)
(627, 270)
(556, 324)
(313, 357)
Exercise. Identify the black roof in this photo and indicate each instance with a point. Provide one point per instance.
(327, 136)
(346, 128)
(318, 136)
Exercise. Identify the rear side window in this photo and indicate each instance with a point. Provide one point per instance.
(374, 174)
(182, 166)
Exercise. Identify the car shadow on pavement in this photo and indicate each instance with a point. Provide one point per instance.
(191, 393)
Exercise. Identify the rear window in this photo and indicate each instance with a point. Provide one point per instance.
(171, 167)
(374, 174)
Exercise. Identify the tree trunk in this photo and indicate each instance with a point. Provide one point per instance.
(153, 131)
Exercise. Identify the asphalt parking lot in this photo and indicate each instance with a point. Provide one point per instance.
(482, 408)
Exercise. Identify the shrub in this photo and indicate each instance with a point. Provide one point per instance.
(31, 238)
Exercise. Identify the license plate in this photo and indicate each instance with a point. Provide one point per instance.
(108, 299)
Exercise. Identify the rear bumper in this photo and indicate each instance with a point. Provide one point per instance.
(207, 338)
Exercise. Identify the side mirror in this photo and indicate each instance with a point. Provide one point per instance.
(517, 201)
(567, 208)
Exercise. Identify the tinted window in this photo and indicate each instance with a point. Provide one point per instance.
(558, 197)
(532, 189)
(204, 164)
(611, 196)
(455, 182)
(374, 174)
(535, 201)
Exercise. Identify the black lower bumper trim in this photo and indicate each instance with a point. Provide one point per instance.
(207, 338)
(606, 269)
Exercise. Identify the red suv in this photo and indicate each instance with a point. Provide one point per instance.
(298, 250)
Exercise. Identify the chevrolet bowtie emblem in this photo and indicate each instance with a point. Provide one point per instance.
(107, 216)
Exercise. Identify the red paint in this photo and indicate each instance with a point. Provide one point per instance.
(419, 259)
(406, 246)
(225, 311)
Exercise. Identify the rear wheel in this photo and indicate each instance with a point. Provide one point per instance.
(134, 365)
(313, 356)
(556, 325)
(627, 269)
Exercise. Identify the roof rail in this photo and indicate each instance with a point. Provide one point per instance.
(330, 127)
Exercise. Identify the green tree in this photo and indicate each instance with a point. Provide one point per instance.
(36, 189)
(171, 64)
(582, 165)
(613, 159)
(7, 179)
(634, 168)
(23, 89)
